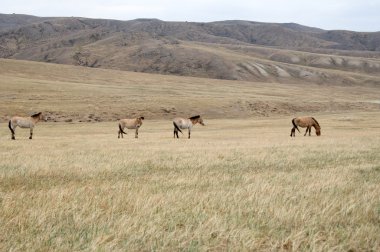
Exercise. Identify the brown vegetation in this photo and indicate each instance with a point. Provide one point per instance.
(234, 50)
(239, 184)
(71, 93)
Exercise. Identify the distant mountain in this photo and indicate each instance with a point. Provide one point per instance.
(234, 49)
(14, 21)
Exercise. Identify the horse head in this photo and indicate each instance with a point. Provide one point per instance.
(317, 127)
(39, 116)
(318, 131)
(197, 119)
(200, 121)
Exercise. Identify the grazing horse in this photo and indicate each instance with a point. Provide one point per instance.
(25, 122)
(134, 123)
(182, 123)
(303, 122)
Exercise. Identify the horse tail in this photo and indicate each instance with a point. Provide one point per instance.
(315, 121)
(176, 127)
(10, 127)
(121, 130)
(294, 124)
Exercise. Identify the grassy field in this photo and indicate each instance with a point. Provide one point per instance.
(85, 94)
(241, 183)
(237, 185)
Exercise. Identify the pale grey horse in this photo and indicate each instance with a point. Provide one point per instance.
(25, 122)
(182, 123)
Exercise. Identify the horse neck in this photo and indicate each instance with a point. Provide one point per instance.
(35, 119)
(316, 126)
(194, 121)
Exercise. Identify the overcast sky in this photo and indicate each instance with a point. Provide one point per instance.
(357, 15)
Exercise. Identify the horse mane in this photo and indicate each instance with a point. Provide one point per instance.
(194, 117)
(315, 121)
(36, 114)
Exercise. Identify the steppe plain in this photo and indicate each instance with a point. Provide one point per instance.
(240, 183)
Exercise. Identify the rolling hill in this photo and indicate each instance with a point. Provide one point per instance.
(81, 94)
(232, 50)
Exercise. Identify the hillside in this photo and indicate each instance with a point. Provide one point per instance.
(233, 50)
(81, 94)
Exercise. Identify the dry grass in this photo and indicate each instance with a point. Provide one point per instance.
(236, 185)
(84, 94)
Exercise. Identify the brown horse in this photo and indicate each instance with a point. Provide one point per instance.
(303, 122)
(134, 123)
(25, 122)
(182, 123)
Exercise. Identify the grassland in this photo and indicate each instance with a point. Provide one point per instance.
(236, 185)
(85, 94)
(241, 183)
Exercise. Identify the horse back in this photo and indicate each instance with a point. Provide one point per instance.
(131, 123)
(304, 121)
(22, 122)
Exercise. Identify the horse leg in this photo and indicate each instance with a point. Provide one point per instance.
(310, 131)
(137, 133)
(12, 129)
(307, 128)
(292, 132)
(13, 134)
(174, 133)
(189, 133)
(31, 133)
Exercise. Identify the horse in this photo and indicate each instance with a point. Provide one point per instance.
(134, 123)
(25, 122)
(303, 122)
(182, 123)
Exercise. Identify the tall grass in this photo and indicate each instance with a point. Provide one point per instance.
(236, 185)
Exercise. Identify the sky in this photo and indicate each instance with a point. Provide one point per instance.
(355, 15)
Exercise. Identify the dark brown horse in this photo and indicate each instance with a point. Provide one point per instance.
(305, 122)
